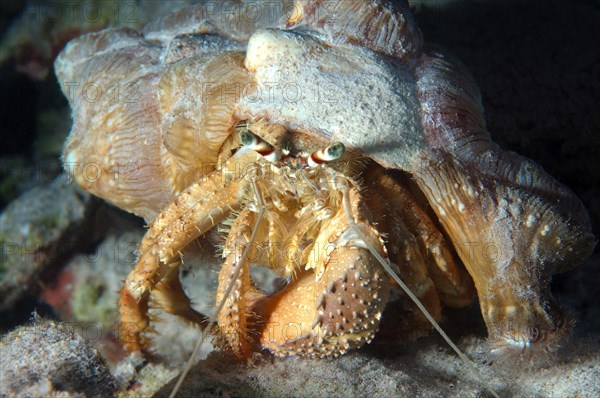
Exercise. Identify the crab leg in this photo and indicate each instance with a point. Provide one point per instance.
(195, 211)
(235, 293)
(424, 261)
(453, 283)
(240, 250)
(412, 269)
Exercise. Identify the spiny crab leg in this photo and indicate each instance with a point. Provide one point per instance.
(225, 297)
(191, 214)
(240, 250)
(385, 263)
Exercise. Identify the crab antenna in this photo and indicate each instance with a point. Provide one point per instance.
(327, 154)
(254, 142)
(385, 263)
(212, 320)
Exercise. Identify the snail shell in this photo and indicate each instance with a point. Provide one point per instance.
(363, 78)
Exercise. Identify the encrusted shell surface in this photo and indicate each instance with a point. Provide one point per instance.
(146, 132)
(145, 127)
(348, 94)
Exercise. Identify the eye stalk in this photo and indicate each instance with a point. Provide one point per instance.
(327, 154)
(254, 142)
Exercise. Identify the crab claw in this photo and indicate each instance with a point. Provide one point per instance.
(331, 305)
(339, 312)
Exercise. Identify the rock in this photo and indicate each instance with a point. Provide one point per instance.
(47, 358)
(42, 29)
(37, 229)
(426, 368)
(98, 276)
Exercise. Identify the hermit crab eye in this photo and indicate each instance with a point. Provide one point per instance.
(251, 140)
(246, 137)
(327, 154)
(335, 151)
(254, 142)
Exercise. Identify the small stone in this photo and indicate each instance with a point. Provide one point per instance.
(53, 357)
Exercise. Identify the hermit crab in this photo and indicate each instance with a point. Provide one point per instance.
(328, 141)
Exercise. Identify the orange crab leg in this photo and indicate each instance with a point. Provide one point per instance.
(195, 211)
(240, 251)
(423, 259)
(451, 279)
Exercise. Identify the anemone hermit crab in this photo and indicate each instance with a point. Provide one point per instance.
(331, 141)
